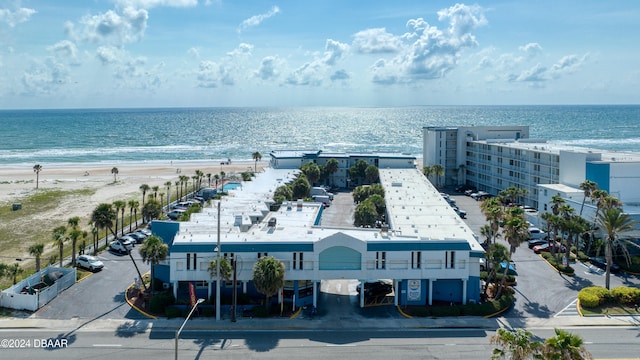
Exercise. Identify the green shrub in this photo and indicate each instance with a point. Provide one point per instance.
(551, 259)
(420, 311)
(260, 312)
(439, 311)
(208, 312)
(159, 302)
(588, 299)
(172, 312)
(626, 295)
(593, 296)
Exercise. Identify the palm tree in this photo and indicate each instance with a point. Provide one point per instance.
(614, 223)
(155, 189)
(588, 187)
(168, 185)
(515, 345)
(256, 157)
(515, 229)
(268, 277)
(438, 170)
(36, 251)
(209, 179)
(36, 169)
(216, 177)
(492, 211)
(199, 177)
(119, 204)
(153, 250)
(178, 184)
(103, 217)
(59, 237)
(184, 181)
(13, 271)
(556, 202)
(565, 345)
(114, 171)
(225, 269)
(331, 167)
(74, 235)
(133, 205)
(144, 188)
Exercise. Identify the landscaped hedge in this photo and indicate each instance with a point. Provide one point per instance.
(594, 296)
(551, 259)
(626, 295)
(485, 309)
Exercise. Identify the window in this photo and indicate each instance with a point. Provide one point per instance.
(381, 258)
(195, 259)
(298, 261)
(450, 259)
(416, 259)
(262, 254)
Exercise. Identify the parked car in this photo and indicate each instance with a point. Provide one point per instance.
(480, 195)
(503, 265)
(89, 262)
(536, 242)
(128, 240)
(376, 288)
(602, 264)
(175, 214)
(119, 247)
(461, 213)
(138, 237)
(146, 232)
(549, 248)
(535, 233)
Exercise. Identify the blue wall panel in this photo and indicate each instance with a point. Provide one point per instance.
(599, 173)
(340, 258)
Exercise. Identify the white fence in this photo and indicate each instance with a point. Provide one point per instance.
(38, 289)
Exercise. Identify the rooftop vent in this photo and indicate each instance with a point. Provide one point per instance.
(272, 222)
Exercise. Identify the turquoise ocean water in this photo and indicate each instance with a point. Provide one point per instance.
(28, 137)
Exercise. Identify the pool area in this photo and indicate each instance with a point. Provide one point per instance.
(231, 186)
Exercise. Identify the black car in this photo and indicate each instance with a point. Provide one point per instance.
(376, 288)
(602, 264)
(535, 242)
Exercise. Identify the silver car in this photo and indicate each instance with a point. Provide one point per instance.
(89, 262)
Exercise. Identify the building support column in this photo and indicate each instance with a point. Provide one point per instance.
(396, 289)
(175, 289)
(362, 282)
(464, 291)
(315, 295)
(430, 291)
(208, 290)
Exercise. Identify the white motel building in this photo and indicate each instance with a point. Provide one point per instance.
(425, 249)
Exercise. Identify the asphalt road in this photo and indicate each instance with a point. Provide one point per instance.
(541, 291)
(101, 295)
(370, 344)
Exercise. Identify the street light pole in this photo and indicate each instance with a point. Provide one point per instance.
(218, 269)
(200, 301)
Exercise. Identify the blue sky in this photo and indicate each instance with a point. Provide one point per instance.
(176, 53)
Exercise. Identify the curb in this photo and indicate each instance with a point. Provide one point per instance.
(126, 297)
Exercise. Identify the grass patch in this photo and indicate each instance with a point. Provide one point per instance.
(610, 309)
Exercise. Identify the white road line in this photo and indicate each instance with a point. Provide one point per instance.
(107, 345)
(573, 303)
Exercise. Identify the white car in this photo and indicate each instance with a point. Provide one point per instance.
(89, 262)
(175, 214)
(119, 247)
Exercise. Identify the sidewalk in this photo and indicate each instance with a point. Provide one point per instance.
(322, 323)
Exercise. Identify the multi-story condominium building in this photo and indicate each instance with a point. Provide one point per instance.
(424, 248)
(495, 158)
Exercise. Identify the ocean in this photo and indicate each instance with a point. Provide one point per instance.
(111, 136)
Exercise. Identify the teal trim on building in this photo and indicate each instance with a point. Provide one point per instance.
(439, 245)
(476, 254)
(340, 258)
(599, 173)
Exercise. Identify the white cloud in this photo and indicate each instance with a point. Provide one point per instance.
(16, 16)
(112, 27)
(65, 49)
(44, 77)
(313, 73)
(148, 4)
(533, 74)
(208, 74)
(268, 68)
(372, 41)
(109, 55)
(567, 65)
(257, 19)
(531, 49)
(431, 52)
(340, 75)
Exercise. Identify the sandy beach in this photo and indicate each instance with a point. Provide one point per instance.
(17, 183)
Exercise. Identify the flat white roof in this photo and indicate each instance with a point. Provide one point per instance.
(415, 208)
